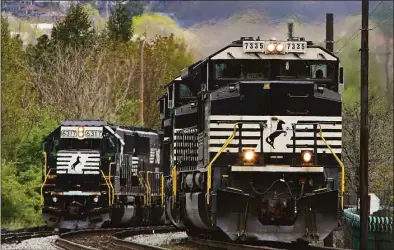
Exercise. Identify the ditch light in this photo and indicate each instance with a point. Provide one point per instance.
(306, 157)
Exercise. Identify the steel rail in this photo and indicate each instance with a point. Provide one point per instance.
(66, 244)
(134, 245)
(18, 237)
(117, 238)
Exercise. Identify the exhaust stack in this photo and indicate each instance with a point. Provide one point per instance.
(290, 31)
(330, 32)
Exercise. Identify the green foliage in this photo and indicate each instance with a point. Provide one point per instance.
(17, 97)
(19, 195)
(119, 24)
(164, 58)
(75, 29)
(90, 10)
(5, 29)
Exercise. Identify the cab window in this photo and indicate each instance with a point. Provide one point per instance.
(184, 91)
(241, 69)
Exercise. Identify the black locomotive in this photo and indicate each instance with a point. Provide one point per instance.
(252, 142)
(99, 174)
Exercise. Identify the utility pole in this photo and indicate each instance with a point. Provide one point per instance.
(142, 80)
(364, 130)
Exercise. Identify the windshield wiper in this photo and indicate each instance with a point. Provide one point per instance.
(268, 64)
(305, 61)
(237, 61)
(328, 62)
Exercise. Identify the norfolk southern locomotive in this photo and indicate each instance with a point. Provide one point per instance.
(252, 138)
(97, 173)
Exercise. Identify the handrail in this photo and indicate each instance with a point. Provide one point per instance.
(110, 183)
(109, 188)
(339, 162)
(141, 181)
(42, 186)
(46, 162)
(148, 189)
(162, 190)
(174, 180)
(209, 167)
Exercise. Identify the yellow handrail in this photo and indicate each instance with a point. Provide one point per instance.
(109, 188)
(148, 189)
(141, 181)
(339, 162)
(209, 172)
(162, 190)
(174, 180)
(110, 183)
(46, 162)
(42, 186)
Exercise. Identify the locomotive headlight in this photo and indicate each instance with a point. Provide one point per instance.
(249, 155)
(271, 47)
(80, 131)
(95, 199)
(280, 47)
(306, 156)
(54, 199)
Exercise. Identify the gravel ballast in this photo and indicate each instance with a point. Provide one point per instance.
(44, 243)
(158, 239)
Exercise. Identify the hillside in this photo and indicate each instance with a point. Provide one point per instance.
(189, 13)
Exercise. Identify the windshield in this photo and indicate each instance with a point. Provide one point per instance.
(273, 69)
(76, 144)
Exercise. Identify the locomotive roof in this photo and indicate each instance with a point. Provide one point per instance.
(235, 51)
(94, 123)
(100, 123)
(136, 129)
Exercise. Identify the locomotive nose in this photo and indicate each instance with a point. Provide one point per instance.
(73, 210)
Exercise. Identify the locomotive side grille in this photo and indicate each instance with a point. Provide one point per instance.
(186, 148)
(283, 140)
(134, 165)
(71, 162)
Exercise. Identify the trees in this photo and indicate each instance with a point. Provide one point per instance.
(16, 96)
(119, 24)
(164, 58)
(18, 110)
(86, 82)
(75, 29)
(380, 123)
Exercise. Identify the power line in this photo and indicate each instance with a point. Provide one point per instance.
(370, 13)
(355, 34)
(384, 20)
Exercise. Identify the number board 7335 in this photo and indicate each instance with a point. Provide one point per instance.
(295, 47)
(253, 46)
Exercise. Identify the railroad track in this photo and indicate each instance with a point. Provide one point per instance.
(110, 239)
(18, 235)
(114, 238)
